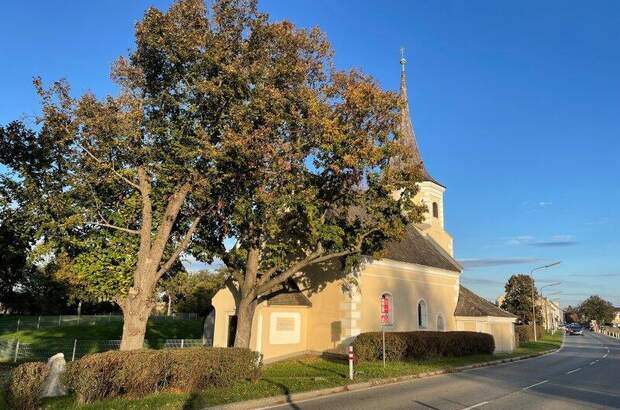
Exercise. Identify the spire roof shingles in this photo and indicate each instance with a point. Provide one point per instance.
(406, 126)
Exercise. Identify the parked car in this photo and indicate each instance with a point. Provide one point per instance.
(574, 329)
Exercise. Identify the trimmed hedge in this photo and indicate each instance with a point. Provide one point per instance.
(25, 385)
(421, 345)
(141, 372)
(525, 333)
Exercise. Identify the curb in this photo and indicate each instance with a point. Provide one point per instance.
(294, 397)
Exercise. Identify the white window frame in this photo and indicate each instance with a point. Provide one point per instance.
(279, 337)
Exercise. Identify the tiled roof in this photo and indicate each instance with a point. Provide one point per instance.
(417, 248)
(407, 131)
(288, 295)
(470, 304)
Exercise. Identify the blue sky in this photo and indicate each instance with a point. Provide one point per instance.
(516, 106)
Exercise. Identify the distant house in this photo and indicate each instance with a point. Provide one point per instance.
(616, 320)
(551, 312)
(418, 280)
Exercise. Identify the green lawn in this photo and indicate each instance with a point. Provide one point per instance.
(156, 329)
(298, 375)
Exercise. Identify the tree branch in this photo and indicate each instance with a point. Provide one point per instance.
(180, 248)
(111, 167)
(131, 231)
(266, 284)
(318, 256)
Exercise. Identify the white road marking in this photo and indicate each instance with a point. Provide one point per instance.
(605, 355)
(593, 362)
(476, 405)
(535, 384)
(574, 370)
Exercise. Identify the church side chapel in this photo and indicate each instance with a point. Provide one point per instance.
(418, 280)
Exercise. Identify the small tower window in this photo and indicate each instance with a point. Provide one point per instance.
(435, 210)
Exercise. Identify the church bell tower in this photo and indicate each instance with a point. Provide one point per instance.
(431, 192)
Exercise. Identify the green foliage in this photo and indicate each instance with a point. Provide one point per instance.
(25, 385)
(525, 333)
(192, 292)
(596, 308)
(421, 345)
(518, 298)
(571, 314)
(138, 373)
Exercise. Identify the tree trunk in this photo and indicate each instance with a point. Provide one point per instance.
(245, 316)
(247, 302)
(136, 308)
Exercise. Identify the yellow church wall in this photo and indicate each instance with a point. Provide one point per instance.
(329, 318)
(408, 284)
(265, 338)
(224, 304)
(502, 329)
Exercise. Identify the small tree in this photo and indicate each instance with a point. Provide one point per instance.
(597, 308)
(518, 298)
(571, 314)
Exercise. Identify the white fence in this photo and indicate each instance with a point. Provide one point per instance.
(15, 351)
(610, 331)
(9, 323)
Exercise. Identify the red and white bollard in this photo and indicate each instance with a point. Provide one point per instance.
(351, 362)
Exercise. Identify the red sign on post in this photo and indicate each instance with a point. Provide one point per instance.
(385, 310)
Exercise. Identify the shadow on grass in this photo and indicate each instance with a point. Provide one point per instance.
(193, 402)
(286, 391)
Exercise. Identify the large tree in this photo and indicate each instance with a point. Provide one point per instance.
(597, 308)
(132, 178)
(518, 298)
(313, 161)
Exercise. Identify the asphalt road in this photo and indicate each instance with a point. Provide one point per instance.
(584, 374)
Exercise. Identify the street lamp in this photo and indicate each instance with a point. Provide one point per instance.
(533, 298)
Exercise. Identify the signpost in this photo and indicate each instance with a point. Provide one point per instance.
(386, 319)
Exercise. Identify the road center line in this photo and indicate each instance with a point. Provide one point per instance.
(476, 405)
(574, 370)
(593, 362)
(535, 384)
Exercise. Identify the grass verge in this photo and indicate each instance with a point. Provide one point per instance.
(298, 375)
(156, 329)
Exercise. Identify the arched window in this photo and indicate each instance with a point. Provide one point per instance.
(440, 325)
(435, 210)
(422, 315)
(387, 309)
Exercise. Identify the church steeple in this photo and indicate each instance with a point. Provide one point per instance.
(406, 125)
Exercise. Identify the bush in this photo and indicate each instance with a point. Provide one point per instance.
(141, 372)
(25, 385)
(525, 333)
(421, 345)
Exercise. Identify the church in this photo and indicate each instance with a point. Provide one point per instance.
(416, 285)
